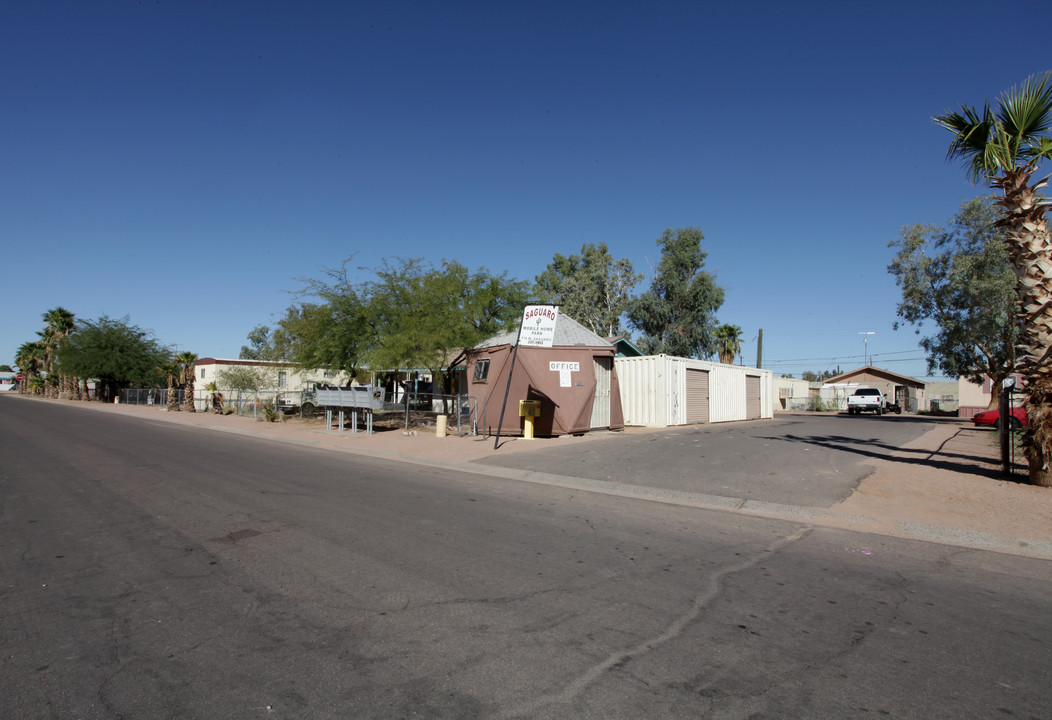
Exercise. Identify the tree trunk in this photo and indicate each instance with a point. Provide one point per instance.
(188, 391)
(1029, 248)
(173, 396)
(1037, 437)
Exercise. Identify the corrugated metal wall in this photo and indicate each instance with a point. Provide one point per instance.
(650, 409)
(654, 391)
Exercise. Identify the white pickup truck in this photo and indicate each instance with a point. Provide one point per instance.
(867, 400)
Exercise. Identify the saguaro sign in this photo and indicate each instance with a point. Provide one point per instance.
(538, 325)
(537, 329)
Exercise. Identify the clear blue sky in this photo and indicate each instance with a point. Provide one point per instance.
(183, 163)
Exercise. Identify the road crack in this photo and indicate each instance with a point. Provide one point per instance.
(697, 605)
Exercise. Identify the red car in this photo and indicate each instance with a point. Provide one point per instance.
(1017, 418)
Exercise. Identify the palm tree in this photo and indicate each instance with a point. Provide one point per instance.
(728, 343)
(188, 359)
(60, 323)
(215, 398)
(172, 370)
(29, 358)
(1005, 146)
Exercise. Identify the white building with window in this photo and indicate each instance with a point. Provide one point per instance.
(281, 376)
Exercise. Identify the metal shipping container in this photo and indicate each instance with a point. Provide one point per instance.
(662, 390)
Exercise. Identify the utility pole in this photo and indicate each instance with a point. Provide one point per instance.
(759, 350)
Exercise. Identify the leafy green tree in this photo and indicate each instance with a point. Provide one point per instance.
(592, 288)
(411, 314)
(259, 347)
(430, 317)
(118, 355)
(677, 313)
(265, 344)
(6, 369)
(960, 279)
(1005, 146)
(246, 378)
(728, 343)
(332, 329)
(812, 376)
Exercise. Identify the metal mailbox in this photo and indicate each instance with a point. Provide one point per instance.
(366, 397)
(529, 408)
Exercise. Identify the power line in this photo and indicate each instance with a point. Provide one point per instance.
(840, 357)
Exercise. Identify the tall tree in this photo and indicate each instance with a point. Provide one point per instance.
(188, 360)
(1005, 146)
(60, 322)
(961, 280)
(428, 317)
(728, 343)
(115, 353)
(592, 287)
(677, 313)
(410, 314)
(172, 370)
(329, 327)
(30, 360)
(265, 344)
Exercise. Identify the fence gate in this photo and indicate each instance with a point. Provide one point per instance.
(697, 396)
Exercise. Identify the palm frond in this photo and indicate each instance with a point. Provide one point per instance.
(1039, 149)
(1025, 111)
(972, 133)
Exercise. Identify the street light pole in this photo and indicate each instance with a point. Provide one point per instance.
(865, 345)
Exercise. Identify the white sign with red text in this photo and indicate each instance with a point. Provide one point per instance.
(538, 325)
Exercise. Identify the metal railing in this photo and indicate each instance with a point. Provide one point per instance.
(1008, 427)
(461, 410)
(403, 408)
(148, 396)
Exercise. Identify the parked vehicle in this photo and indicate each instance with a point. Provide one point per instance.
(867, 400)
(1016, 418)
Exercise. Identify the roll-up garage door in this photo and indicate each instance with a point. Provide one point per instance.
(697, 396)
(752, 397)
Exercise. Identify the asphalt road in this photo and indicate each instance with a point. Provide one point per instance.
(154, 571)
(810, 461)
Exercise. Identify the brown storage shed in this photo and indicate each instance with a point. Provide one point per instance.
(574, 380)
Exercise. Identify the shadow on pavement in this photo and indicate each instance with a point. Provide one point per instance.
(979, 464)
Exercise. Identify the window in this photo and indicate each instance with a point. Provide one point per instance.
(481, 370)
(202, 373)
(283, 379)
